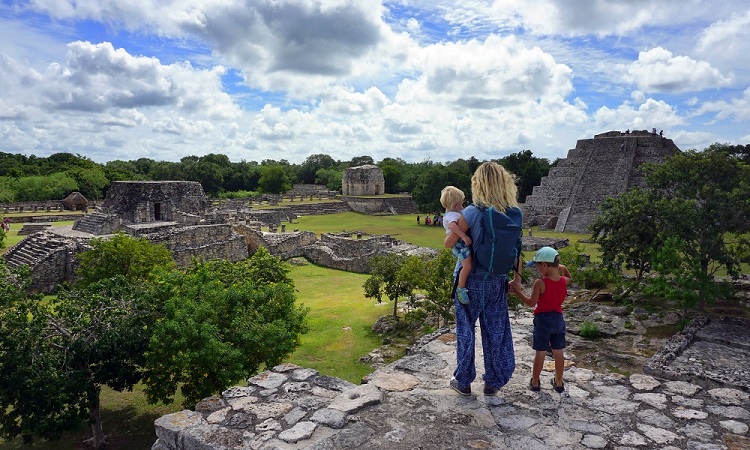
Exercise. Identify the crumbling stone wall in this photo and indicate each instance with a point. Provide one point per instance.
(218, 241)
(284, 245)
(363, 180)
(352, 251)
(569, 197)
(149, 201)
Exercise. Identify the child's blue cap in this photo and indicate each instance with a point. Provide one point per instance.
(544, 254)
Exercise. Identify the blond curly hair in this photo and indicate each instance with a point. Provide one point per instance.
(492, 185)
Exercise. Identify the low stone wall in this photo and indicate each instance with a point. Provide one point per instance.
(385, 205)
(45, 218)
(31, 228)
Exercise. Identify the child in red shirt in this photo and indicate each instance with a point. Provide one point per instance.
(547, 297)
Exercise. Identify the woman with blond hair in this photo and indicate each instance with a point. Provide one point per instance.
(492, 188)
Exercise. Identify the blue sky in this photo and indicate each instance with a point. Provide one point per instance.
(413, 79)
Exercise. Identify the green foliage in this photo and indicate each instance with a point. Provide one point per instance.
(589, 330)
(331, 178)
(677, 278)
(426, 193)
(91, 181)
(308, 170)
(59, 353)
(36, 188)
(7, 189)
(386, 278)
(527, 169)
(435, 277)
(628, 229)
(236, 194)
(274, 179)
(688, 224)
(124, 255)
(221, 322)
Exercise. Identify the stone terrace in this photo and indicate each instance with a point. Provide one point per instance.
(408, 405)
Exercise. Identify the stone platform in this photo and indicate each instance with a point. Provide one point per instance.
(408, 405)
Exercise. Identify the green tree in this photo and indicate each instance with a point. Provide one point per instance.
(221, 323)
(435, 277)
(690, 223)
(629, 230)
(309, 169)
(91, 181)
(274, 179)
(38, 188)
(361, 161)
(58, 354)
(708, 202)
(331, 178)
(387, 278)
(426, 193)
(527, 169)
(124, 255)
(7, 189)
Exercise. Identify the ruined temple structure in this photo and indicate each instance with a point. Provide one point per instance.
(363, 180)
(144, 202)
(165, 212)
(569, 197)
(75, 201)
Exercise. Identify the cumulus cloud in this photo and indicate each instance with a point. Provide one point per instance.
(571, 17)
(657, 70)
(484, 75)
(726, 41)
(737, 109)
(649, 114)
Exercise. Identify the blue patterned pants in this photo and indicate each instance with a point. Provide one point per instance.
(488, 303)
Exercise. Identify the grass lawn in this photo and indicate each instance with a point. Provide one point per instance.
(340, 321)
(403, 227)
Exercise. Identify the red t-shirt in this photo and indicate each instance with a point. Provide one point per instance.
(553, 296)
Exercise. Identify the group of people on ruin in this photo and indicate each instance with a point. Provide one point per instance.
(481, 294)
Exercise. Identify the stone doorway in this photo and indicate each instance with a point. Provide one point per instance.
(157, 211)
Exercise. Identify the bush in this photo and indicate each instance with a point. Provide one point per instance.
(589, 330)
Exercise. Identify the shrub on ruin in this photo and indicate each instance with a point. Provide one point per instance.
(133, 258)
(589, 330)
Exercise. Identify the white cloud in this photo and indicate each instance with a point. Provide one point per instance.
(649, 114)
(737, 109)
(657, 70)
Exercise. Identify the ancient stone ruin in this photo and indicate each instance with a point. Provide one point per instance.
(76, 201)
(144, 202)
(363, 180)
(165, 212)
(569, 197)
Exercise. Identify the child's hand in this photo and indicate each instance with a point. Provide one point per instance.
(467, 240)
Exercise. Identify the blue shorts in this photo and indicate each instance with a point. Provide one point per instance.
(461, 250)
(549, 331)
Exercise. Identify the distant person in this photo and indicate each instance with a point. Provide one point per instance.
(427, 220)
(547, 296)
(417, 220)
(530, 232)
(452, 200)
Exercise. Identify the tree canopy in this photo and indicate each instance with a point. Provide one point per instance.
(200, 329)
(688, 223)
